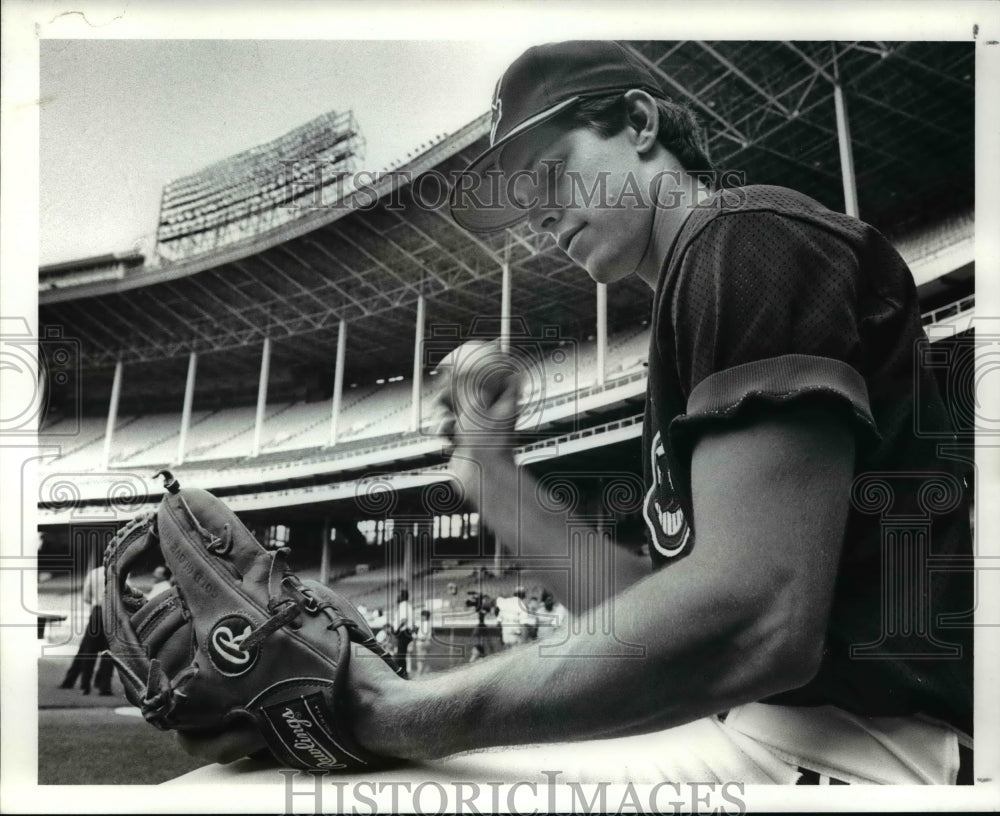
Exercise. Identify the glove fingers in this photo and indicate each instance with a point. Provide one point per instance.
(204, 516)
(162, 626)
(121, 602)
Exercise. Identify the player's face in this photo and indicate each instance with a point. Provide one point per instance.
(589, 192)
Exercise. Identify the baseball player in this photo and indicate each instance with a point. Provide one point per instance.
(514, 618)
(782, 448)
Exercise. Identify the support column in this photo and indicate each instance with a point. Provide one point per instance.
(109, 431)
(324, 553)
(265, 369)
(188, 403)
(338, 380)
(505, 308)
(418, 367)
(602, 331)
(409, 542)
(846, 154)
(497, 555)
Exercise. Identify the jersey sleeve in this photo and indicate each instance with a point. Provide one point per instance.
(765, 311)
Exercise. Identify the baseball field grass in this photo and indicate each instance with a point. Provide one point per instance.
(83, 741)
(95, 746)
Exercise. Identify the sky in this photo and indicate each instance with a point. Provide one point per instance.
(118, 119)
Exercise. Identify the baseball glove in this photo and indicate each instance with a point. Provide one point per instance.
(237, 637)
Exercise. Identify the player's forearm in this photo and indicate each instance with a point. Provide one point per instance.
(505, 496)
(705, 656)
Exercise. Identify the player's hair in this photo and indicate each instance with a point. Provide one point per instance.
(679, 129)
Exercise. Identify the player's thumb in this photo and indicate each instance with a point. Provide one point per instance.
(505, 406)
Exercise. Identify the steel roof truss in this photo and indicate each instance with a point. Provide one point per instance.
(690, 95)
(210, 318)
(357, 276)
(147, 314)
(237, 313)
(443, 249)
(920, 120)
(722, 60)
(948, 80)
(377, 261)
(424, 266)
(326, 282)
(823, 99)
(475, 240)
(289, 279)
(61, 321)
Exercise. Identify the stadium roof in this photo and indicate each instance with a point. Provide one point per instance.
(770, 113)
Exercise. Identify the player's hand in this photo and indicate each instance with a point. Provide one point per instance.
(478, 395)
(235, 743)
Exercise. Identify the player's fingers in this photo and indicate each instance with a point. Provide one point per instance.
(443, 397)
(506, 404)
(446, 428)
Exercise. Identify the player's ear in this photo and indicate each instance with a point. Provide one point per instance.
(643, 119)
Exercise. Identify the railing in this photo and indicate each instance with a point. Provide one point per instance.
(950, 310)
(583, 433)
(590, 390)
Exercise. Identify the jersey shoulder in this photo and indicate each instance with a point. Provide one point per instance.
(764, 202)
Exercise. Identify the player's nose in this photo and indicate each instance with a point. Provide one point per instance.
(544, 219)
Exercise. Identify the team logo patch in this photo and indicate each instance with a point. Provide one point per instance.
(669, 530)
(225, 646)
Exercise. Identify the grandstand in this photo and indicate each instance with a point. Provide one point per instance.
(279, 355)
(257, 190)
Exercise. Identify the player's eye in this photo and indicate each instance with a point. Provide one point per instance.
(549, 172)
(552, 169)
(521, 193)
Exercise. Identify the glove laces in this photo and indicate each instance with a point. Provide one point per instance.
(161, 693)
(220, 545)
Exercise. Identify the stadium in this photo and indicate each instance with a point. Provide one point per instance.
(279, 344)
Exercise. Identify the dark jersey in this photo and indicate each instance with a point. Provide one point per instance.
(766, 298)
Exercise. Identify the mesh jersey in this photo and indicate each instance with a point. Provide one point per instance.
(767, 297)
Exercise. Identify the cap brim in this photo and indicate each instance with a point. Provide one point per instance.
(479, 201)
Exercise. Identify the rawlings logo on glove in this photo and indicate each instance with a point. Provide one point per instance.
(226, 649)
(237, 638)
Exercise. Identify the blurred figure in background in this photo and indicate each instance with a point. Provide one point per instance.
(422, 642)
(161, 581)
(401, 628)
(94, 642)
(451, 601)
(551, 615)
(515, 619)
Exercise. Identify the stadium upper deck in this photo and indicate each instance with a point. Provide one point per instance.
(360, 269)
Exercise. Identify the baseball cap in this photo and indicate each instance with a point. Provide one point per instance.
(543, 82)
